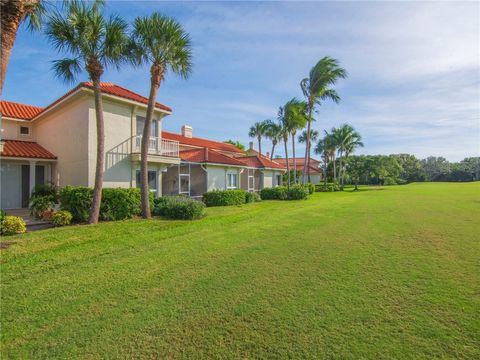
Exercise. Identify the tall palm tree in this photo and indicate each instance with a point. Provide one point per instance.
(303, 139)
(323, 149)
(160, 42)
(274, 133)
(14, 13)
(331, 143)
(348, 139)
(258, 130)
(317, 87)
(94, 42)
(298, 119)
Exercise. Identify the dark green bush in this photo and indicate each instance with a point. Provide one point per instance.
(45, 190)
(178, 207)
(327, 188)
(224, 197)
(117, 204)
(310, 187)
(275, 193)
(251, 197)
(77, 200)
(298, 192)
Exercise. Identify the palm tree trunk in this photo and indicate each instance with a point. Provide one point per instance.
(308, 168)
(260, 145)
(294, 160)
(340, 171)
(334, 171)
(325, 167)
(273, 149)
(97, 190)
(309, 122)
(285, 140)
(156, 77)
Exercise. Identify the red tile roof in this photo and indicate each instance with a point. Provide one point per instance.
(206, 155)
(260, 162)
(28, 112)
(199, 142)
(25, 149)
(283, 161)
(18, 111)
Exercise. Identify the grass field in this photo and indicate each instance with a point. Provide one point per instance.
(388, 272)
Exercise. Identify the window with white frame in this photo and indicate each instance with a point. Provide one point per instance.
(24, 130)
(184, 184)
(232, 181)
(152, 180)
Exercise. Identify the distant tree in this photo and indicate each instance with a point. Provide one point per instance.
(356, 166)
(273, 132)
(347, 140)
(237, 144)
(436, 168)
(258, 131)
(298, 115)
(317, 88)
(412, 169)
(303, 139)
(471, 166)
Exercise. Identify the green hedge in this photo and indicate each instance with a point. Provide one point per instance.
(224, 197)
(327, 188)
(297, 192)
(117, 204)
(178, 207)
(251, 197)
(310, 187)
(275, 193)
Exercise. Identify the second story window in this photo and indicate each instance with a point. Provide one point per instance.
(141, 125)
(24, 130)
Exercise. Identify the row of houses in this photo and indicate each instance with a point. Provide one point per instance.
(57, 144)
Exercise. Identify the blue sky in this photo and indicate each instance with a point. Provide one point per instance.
(414, 69)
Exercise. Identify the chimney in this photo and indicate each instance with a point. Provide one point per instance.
(187, 131)
(250, 145)
(268, 155)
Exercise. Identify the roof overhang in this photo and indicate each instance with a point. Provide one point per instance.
(26, 158)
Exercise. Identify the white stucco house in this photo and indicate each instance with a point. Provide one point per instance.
(58, 144)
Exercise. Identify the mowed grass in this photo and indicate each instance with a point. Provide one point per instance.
(389, 272)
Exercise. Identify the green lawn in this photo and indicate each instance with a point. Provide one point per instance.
(389, 272)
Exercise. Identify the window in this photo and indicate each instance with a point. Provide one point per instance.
(184, 184)
(24, 130)
(251, 182)
(152, 180)
(279, 180)
(141, 125)
(232, 181)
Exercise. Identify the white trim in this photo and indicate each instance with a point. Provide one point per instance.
(26, 159)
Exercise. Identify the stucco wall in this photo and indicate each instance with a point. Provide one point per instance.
(11, 130)
(64, 132)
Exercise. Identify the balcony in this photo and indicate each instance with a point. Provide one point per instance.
(157, 146)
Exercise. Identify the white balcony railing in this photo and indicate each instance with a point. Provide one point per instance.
(158, 146)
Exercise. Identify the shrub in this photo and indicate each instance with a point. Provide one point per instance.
(62, 218)
(77, 200)
(12, 225)
(298, 192)
(327, 188)
(40, 204)
(389, 181)
(310, 187)
(120, 203)
(275, 193)
(251, 197)
(117, 204)
(224, 197)
(178, 207)
(45, 190)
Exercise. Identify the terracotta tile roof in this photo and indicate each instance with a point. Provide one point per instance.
(25, 149)
(206, 155)
(283, 161)
(18, 111)
(200, 142)
(260, 162)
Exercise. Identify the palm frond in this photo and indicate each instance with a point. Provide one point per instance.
(67, 69)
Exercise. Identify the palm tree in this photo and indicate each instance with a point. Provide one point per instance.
(303, 138)
(348, 140)
(331, 143)
(298, 111)
(258, 130)
(323, 149)
(316, 89)
(160, 42)
(94, 42)
(14, 13)
(274, 133)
